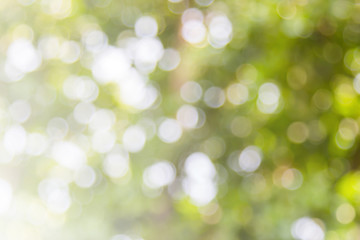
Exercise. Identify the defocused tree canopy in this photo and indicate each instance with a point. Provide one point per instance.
(179, 119)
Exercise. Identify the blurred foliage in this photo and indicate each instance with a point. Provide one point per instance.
(106, 135)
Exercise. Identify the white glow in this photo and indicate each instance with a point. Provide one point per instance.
(250, 159)
(85, 177)
(193, 31)
(102, 120)
(199, 182)
(6, 195)
(20, 111)
(68, 154)
(170, 60)
(110, 65)
(83, 112)
(80, 88)
(94, 40)
(147, 53)
(134, 138)
(36, 144)
(146, 27)
(15, 139)
(191, 92)
(192, 14)
(220, 31)
(201, 193)
(188, 116)
(269, 96)
(198, 166)
(116, 165)
(214, 97)
(135, 92)
(169, 131)
(307, 229)
(103, 141)
(159, 174)
(55, 193)
(22, 55)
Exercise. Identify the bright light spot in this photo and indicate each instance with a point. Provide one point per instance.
(187, 116)
(356, 83)
(192, 14)
(250, 159)
(83, 112)
(306, 228)
(198, 166)
(69, 155)
(169, 131)
(134, 138)
(23, 56)
(159, 174)
(214, 97)
(135, 92)
(220, 31)
(57, 128)
(6, 195)
(94, 40)
(15, 139)
(191, 92)
(269, 96)
(202, 192)
(146, 27)
(291, 179)
(80, 88)
(12, 73)
(348, 129)
(116, 165)
(237, 93)
(102, 120)
(69, 52)
(200, 183)
(55, 193)
(85, 177)
(298, 132)
(193, 31)
(345, 213)
(148, 52)
(110, 65)
(103, 141)
(36, 144)
(170, 60)
(20, 111)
